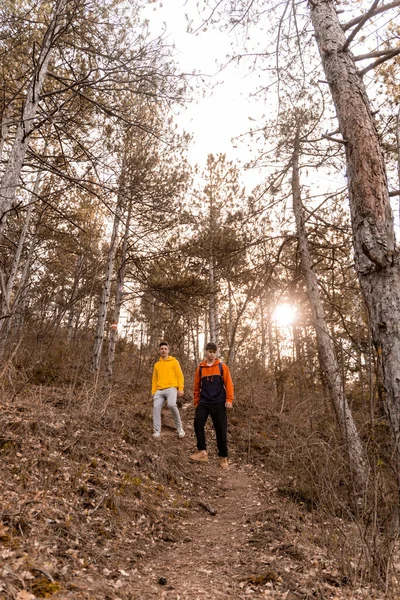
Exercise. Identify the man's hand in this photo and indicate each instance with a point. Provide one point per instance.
(228, 405)
(180, 393)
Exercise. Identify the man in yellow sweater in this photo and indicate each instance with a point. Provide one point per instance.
(167, 384)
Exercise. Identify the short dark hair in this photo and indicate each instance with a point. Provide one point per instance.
(163, 344)
(211, 346)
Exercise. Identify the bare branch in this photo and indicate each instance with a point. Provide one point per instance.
(363, 20)
(277, 50)
(375, 54)
(333, 139)
(380, 61)
(377, 11)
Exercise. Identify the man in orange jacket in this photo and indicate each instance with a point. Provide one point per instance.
(213, 395)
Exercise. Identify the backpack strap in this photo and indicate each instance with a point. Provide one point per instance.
(220, 369)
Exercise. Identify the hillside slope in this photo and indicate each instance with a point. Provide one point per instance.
(92, 507)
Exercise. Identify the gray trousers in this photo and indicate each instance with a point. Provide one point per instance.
(170, 395)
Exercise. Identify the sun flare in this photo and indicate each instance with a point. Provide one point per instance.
(284, 314)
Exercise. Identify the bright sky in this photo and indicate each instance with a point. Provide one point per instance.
(223, 113)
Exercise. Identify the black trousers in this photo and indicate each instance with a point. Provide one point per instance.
(217, 411)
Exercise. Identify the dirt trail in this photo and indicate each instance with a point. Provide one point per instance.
(258, 544)
(207, 555)
(140, 521)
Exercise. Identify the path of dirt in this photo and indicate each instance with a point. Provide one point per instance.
(250, 547)
(206, 554)
(213, 534)
(258, 544)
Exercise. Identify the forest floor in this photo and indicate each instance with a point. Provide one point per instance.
(93, 508)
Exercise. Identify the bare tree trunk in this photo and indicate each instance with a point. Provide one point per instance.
(231, 329)
(72, 301)
(118, 295)
(21, 241)
(195, 340)
(263, 336)
(206, 315)
(9, 299)
(10, 179)
(279, 376)
(271, 357)
(151, 328)
(376, 259)
(213, 306)
(5, 127)
(6, 297)
(330, 368)
(105, 297)
(398, 153)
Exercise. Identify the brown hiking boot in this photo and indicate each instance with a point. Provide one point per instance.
(223, 463)
(200, 456)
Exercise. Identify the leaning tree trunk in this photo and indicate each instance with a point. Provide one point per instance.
(376, 258)
(7, 308)
(21, 242)
(326, 350)
(11, 296)
(10, 180)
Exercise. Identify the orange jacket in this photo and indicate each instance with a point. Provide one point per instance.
(206, 386)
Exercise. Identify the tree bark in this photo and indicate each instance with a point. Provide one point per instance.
(10, 299)
(4, 129)
(213, 304)
(263, 336)
(376, 259)
(231, 328)
(73, 298)
(105, 297)
(330, 368)
(10, 179)
(119, 295)
(398, 152)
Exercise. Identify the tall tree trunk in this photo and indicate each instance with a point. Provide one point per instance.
(105, 296)
(213, 305)
(118, 295)
(4, 129)
(10, 179)
(271, 357)
(398, 155)
(376, 259)
(195, 340)
(11, 296)
(263, 336)
(73, 298)
(231, 329)
(9, 287)
(330, 367)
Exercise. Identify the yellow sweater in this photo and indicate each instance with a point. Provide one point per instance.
(167, 373)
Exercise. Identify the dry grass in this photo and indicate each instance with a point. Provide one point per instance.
(83, 487)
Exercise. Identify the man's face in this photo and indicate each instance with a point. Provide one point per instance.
(211, 354)
(164, 351)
